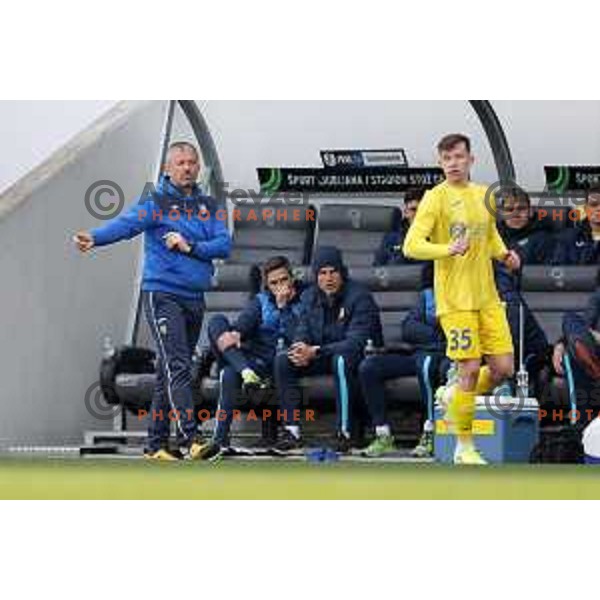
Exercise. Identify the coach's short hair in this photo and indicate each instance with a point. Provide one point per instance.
(184, 146)
(450, 142)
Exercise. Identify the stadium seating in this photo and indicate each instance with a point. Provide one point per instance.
(356, 229)
(551, 291)
(259, 233)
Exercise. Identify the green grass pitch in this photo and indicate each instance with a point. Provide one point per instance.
(119, 479)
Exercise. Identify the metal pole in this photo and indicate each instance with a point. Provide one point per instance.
(135, 311)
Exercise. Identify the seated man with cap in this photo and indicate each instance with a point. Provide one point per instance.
(338, 317)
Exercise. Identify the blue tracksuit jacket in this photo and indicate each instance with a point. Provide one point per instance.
(167, 210)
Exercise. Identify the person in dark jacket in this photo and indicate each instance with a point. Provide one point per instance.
(580, 245)
(427, 361)
(537, 348)
(183, 235)
(522, 229)
(338, 318)
(246, 348)
(577, 358)
(390, 250)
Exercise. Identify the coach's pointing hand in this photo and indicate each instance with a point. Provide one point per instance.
(84, 241)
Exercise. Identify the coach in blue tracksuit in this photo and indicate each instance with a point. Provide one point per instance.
(338, 318)
(183, 235)
(246, 348)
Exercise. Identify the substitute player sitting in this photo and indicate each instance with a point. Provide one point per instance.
(456, 228)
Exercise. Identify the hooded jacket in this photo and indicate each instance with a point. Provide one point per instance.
(167, 210)
(343, 323)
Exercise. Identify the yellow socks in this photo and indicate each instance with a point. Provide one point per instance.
(461, 411)
(485, 383)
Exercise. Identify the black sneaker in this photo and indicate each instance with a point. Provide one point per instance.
(211, 453)
(343, 444)
(288, 443)
(236, 452)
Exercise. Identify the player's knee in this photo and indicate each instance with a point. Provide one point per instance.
(501, 370)
(469, 374)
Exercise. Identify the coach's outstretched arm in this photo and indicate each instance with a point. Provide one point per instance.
(417, 245)
(137, 219)
(127, 226)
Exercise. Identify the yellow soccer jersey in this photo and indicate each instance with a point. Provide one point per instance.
(462, 283)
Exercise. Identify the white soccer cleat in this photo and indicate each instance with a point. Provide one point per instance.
(469, 456)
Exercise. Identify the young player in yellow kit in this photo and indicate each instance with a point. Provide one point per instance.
(456, 229)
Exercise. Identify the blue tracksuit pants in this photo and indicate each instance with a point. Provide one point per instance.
(175, 324)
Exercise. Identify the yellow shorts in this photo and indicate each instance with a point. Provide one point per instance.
(472, 335)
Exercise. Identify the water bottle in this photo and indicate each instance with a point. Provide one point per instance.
(370, 349)
(281, 347)
(522, 387)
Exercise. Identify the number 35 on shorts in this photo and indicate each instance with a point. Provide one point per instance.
(460, 340)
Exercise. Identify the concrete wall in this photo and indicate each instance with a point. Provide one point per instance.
(55, 305)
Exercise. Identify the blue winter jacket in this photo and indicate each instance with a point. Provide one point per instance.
(421, 328)
(196, 217)
(261, 323)
(342, 324)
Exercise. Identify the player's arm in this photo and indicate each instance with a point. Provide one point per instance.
(417, 245)
(498, 250)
